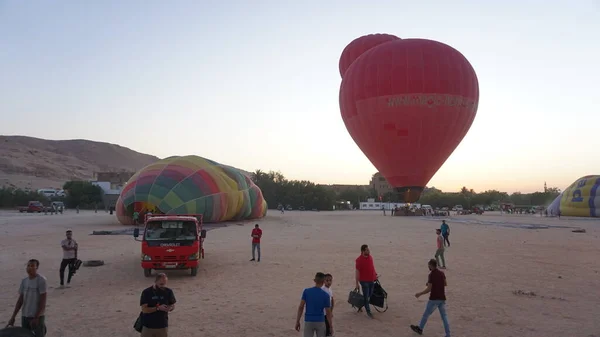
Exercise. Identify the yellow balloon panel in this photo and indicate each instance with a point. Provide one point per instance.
(581, 198)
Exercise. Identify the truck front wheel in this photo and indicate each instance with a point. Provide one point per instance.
(194, 271)
(147, 272)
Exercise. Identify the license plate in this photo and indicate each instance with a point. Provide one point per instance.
(171, 265)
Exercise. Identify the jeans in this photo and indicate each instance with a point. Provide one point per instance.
(440, 254)
(430, 308)
(367, 289)
(256, 246)
(446, 241)
(314, 328)
(64, 263)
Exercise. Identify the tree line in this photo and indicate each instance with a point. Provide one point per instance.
(277, 190)
(78, 193)
(301, 193)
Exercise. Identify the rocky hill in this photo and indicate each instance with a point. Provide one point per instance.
(27, 162)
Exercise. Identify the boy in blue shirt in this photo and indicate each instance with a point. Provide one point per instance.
(316, 300)
(445, 232)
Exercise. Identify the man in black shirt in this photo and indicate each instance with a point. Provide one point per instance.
(157, 301)
(436, 284)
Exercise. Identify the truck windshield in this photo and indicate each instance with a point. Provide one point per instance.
(170, 230)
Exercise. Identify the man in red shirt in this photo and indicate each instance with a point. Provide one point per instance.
(436, 287)
(366, 275)
(256, 235)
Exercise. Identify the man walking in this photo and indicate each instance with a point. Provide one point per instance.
(317, 302)
(69, 247)
(439, 253)
(365, 276)
(256, 235)
(156, 302)
(32, 298)
(327, 287)
(436, 284)
(445, 232)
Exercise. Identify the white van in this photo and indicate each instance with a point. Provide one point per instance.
(48, 193)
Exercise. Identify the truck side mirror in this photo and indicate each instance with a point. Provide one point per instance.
(203, 233)
(136, 232)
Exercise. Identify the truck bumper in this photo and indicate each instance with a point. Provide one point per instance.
(162, 265)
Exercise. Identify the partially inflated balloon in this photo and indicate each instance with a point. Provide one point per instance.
(191, 185)
(359, 46)
(408, 104)
(582, 198)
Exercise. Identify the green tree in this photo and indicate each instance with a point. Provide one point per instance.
(12, 197)
(296, 193)
(83, 194)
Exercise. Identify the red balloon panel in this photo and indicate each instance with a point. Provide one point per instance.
(359, 46)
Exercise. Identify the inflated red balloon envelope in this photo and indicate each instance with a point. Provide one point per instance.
(408, 104)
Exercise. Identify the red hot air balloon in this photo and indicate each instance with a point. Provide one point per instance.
(408, 104)
(360, 45)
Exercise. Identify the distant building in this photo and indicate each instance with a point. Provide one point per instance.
(112, 184)
(380, 184)
(338, 188)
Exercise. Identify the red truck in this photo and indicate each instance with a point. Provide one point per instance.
(33, 207)
(171, 242)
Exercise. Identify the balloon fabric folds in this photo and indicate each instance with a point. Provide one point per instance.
(581, 198)
(408, 103)
(191, 185)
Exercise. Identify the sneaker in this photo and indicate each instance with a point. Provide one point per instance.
(416, 329)
(68, 285)
(62, 286)
(253, 260)
(370, 315)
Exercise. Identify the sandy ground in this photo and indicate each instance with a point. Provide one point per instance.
(233, 297)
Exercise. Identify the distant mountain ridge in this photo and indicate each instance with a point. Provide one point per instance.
(27, 162)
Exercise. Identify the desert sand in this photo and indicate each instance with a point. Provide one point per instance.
(487, 263)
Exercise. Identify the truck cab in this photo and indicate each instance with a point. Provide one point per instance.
(171, 242)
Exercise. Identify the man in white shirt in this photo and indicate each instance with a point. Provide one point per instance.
(69, 247)
(327, 288)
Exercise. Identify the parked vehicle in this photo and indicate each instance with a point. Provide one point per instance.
(34, 207)
(171, 242)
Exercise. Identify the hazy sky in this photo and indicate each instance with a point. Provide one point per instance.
(254, 84)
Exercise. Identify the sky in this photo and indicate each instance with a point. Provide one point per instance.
(255, 84)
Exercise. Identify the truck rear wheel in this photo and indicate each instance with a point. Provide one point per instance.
(147, 272)
(194, 271)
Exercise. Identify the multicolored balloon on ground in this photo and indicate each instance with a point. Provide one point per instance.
(408, 103)
(581, 198)
(191, 185)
